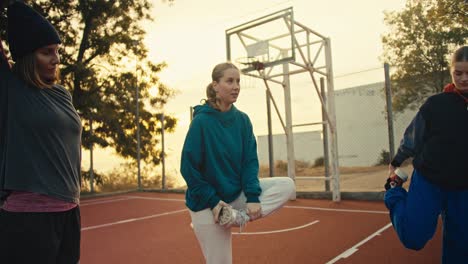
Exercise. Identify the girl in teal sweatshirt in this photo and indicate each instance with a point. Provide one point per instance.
(220, 166)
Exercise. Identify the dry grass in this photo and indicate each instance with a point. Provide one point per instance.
(303, 169)
(124, 178)
(354, 179)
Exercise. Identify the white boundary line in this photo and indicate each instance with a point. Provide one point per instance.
(124, 198)
(158, 199)
(131, 220)
(336, 210)
(183, 200)
(106, 201)
(277, 231)
(353, 249)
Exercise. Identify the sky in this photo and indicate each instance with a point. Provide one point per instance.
(190, 37)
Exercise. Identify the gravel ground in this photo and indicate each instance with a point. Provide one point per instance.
(353, 182)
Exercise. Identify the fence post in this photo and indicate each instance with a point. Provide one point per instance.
(326, 156)
(270, 135)
(388, 96)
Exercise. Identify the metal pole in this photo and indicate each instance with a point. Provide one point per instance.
(163, 154)
(191, 113)
(326, 157)
(388, 95)
(335, 171)
(91, 167)
(137, 124)
(289, 127)
(270, 135)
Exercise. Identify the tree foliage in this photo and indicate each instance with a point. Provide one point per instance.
(103, 60)
(421, 38)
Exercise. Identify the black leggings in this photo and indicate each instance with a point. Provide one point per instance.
(52, 238)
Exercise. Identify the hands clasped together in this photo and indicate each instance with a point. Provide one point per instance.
(253, 210)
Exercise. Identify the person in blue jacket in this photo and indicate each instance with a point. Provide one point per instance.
(437, 141)
(220, 166)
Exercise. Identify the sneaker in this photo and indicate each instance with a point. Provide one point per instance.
(229, 216)
(397, 179)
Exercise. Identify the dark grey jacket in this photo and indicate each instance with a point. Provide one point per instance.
(40, 139)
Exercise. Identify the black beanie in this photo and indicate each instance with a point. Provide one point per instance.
(28, 30)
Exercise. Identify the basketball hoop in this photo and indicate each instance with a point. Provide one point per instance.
(251, 62)
(258, 65)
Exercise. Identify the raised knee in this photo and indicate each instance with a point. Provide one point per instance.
(289, 185)
(414, 246)
(285, 181)
(414, 243)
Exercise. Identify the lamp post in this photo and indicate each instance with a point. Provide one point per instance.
(163, 154)
(91, 166)
(93, 111)
(137, 123)
(91, 159)
(91, 170)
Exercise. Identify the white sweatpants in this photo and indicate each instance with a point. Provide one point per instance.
(216, 241)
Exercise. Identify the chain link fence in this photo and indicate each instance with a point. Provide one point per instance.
(363, 145)
(364, 138)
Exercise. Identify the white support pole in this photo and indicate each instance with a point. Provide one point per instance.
(289, 126)
(334, 165)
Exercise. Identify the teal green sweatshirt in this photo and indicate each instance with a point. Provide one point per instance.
(219, 158)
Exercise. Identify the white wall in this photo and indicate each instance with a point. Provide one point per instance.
(308, 146)
(362, 130)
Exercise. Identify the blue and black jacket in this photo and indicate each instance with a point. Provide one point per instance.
(436, 139)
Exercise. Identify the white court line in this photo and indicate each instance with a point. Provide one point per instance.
(287, 206)
(336, 210)
(158, 199)
(183, 200)
(106, 201)
(353, 249)
(277, 231)
(131, 220)
(129, 198)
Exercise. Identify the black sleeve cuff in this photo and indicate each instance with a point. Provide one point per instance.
(394, 163)
(398, 160)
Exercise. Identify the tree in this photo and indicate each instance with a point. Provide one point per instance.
(384, 158)
(421, 38)
(103, 59)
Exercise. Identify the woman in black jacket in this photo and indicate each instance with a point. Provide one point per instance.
(436, 139)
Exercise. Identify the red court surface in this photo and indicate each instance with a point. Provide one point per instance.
(141, 228)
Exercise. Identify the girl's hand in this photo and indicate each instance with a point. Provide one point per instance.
(254, 210)
(217, 209)
(391, 170)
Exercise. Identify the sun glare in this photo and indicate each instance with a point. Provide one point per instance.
(153, 91)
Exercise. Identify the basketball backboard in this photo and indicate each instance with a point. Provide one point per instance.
(261, 43)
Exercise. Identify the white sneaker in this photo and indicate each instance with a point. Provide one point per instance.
(229, 217)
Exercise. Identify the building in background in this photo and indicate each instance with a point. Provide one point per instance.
(308, 146)
(362, 130)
